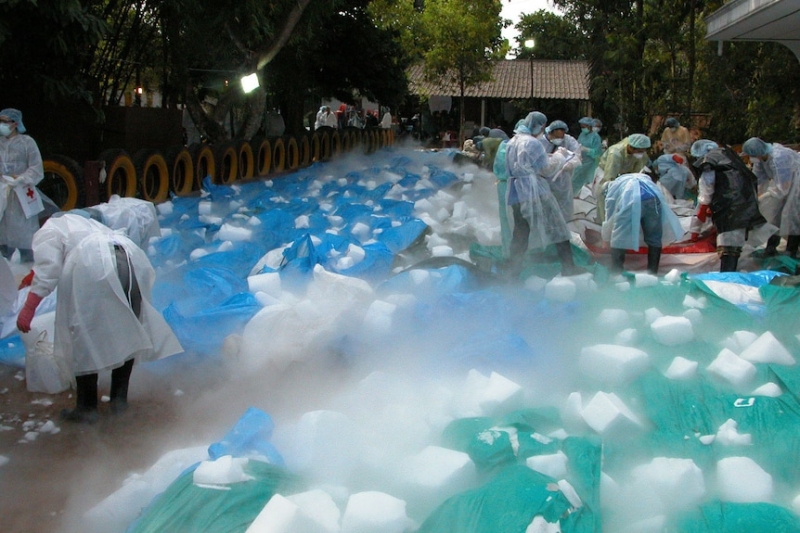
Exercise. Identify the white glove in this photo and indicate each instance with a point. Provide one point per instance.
(8, 179)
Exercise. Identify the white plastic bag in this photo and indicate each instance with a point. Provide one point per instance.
(43, 371)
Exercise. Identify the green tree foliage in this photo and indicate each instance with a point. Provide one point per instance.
(555, 37)
(460, 40)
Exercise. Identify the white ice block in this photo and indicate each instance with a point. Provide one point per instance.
(610, 363)
(229, 232)
(269, 283)
(374, 512)
(627, 337)
(606, 413)
(223, 471)
(282, 516)
(678, 483)
(742, 480)
(739, 340)
(320, 507)
(441, 251)
(553, 465)
(732, 368)
(772, 390)
(728, 435)
(767, 349)
(651, 314)
(560, 289)
(672, 330)
(645, 280)
(436, 468)
(487, 394)
(681, 368)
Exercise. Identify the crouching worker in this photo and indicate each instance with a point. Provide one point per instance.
(104, 318)
(634, 203)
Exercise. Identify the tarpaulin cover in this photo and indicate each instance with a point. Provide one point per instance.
(729, 517)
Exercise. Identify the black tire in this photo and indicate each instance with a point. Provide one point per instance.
(325, 146)
(153, 174)
(120, 174)
(262, 150)
(227, 158)
(340, 142)
(247, 160)
(204, 163)
(304, 147)
(292, 153)
(316, 149)
(181, 175)
(63, 182)
(278, 154)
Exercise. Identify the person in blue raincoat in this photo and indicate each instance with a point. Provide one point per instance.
(538, 219)
(634, 207)
(564, 154)
(673, 175)
(778, 171)
(501, 173)
(592, 149)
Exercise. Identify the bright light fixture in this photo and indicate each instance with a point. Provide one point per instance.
(529, 43)
(250, 82)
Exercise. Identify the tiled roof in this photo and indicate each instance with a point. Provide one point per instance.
(511, 79)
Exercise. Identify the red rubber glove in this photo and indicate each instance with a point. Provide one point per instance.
(26, 281)
(678, 159)
(703, 212)
(28, 310)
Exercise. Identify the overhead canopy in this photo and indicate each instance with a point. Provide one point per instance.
(512, 80)
(757, 20)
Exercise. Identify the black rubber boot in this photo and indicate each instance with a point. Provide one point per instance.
(653, 259)
(85, 411)
(792, 244)
(568, 268)
(617, 260)
(728, 263)
(120, 377)
(772, 246)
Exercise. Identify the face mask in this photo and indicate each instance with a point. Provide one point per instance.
(638, 155)
(596, 129)
(557, 142)
(5, 129)
(584, 130)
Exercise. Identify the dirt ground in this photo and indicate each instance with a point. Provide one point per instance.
(41, 484)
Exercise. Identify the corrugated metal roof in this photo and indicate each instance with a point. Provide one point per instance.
(511, 79)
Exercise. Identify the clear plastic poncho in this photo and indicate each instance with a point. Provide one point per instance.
(137, 218)
(20, 156)
(525, 159)
(673, 176)
(95, 327)
(778, 188)
(592, 149)
(622, 226)
(563, 161)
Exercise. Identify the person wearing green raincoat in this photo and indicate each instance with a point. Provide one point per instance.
(629, 156)
(590, 153)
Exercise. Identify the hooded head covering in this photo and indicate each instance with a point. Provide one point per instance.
(755, 147)
(586, 121)
(521, 127)
(557, 125)
(598, 123)
(672, 122)
(639, 141)
(535, 121)
(701, 147)
(484, 131)
(16, 116)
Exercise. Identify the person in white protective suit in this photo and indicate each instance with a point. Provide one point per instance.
(634, 206)
(104, 318)
(137, 218)
(21, 169)
(557, 142)
(778, 171)
(537, 218)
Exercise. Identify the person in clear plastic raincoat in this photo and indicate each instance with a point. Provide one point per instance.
(626, 157)
(21, 168)
(591, 150)
(673, 175)
(558, 173)
(634, 206)
(778, 171)
(104, 319)
(137, 218)
(537, 217)
(727, 194)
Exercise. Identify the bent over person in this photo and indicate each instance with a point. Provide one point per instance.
(104, 318)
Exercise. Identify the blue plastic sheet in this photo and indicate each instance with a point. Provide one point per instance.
(250, 436)
(12, 351)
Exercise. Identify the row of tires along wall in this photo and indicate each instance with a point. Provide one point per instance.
(153, 174)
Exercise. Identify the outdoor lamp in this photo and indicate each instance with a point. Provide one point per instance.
(250, 82)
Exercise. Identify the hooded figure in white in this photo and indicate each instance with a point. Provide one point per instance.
(102, 279)
(137, 218)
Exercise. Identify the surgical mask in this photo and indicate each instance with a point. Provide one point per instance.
(5, 129)
(596, 129)
(584, 130)
(556, 142)
(638, 155)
